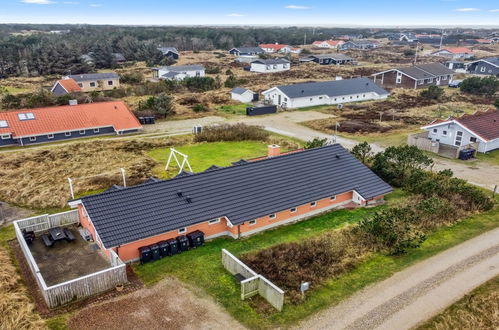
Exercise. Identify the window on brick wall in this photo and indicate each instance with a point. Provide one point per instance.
(252, 222)
(214, 221)
(292, 210)
(313, 204)
(272, 216)
(182, 230)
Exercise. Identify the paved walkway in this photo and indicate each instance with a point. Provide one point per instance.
(417, 293)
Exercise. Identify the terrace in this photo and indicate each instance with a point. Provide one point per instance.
(67, 270)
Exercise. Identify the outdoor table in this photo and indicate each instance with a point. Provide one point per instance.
(57, 233)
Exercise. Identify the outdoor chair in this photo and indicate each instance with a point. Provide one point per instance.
(47, 240)
(69, 235)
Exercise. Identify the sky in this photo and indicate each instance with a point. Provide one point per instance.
(254, 12)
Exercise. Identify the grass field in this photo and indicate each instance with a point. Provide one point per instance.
(491, 157)
(203, 155)
(234, 109)
(202, 267)
(477, 310)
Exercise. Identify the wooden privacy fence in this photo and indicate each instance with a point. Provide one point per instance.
(421, 141)
(253, 283)
(78, 288)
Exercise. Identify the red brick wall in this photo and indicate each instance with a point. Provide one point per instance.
(130, 251)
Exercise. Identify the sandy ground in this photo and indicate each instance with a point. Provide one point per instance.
(167, 305)
(418, 292)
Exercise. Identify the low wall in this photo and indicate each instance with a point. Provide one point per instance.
(421, 141)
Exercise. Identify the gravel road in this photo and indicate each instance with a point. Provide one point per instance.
(418, 292)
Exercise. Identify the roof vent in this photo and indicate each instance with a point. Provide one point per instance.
(338, 156)
(73, 102)
(179, 193)
(188, 199)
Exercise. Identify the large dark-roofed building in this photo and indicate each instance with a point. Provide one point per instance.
(236, 201)
(416, 76)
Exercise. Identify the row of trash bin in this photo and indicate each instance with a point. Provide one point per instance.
(147, 120)
(466, 154)
(171, 246)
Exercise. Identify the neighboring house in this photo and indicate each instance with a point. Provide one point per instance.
(482, 128)
(170, 52)
(456, 66)
(243, 95)
(65, 86)
(330, 44)
(270, 65)
(359, 44)
(295, 50)
(484, 41)
(90, 82)
(416, 76)
(119, 57)
(323, 93)
(275, 48)
(235, 201)
(246, 51)
(40, 125)
(454, 53)
(408, 37)
(178, 72)
(485, 66)
(325, 59)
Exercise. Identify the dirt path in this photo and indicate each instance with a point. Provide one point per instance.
(167, 305)
(418, 292)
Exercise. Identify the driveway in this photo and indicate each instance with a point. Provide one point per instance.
(417, 293)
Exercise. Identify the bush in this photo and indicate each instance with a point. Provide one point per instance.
(162, 104)
(362, 152)
(432, 93)
(227, 132)
(199, 84)
(409, 52)
(482, 86)
(213, 70)
(200, 108)
(315, 143)
(132, 78)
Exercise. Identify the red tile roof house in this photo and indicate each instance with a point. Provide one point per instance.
(454, 53)
(236, 201)
(65, 86)
(275, 48)
(335, 44)
(481, 127)
(30, 126)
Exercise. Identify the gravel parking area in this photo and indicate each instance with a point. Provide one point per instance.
(167, 305)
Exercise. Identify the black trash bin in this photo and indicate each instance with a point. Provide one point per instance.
(172, 246)
(163, 249)
(155, 254)
(196, 238)
(145, 254)
(183, 243)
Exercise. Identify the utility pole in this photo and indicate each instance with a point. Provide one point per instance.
(441, 39)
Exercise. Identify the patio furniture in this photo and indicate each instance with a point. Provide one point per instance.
(47, 240)
(29, 236)
(69, 235)
(57, 234)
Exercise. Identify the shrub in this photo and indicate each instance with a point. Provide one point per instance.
(315, 143)
(200, 108)
(213, 70)
(394, 230)
(227, 132)
(162, 104)
(362, 152)
(199, 84)
(482, 86)
(432, 93)
(409, 52)
(132, 78)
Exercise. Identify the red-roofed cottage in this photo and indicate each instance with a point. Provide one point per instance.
(481, 128)
(275, 48)
(29, 126)
(65, 86)
(454, 52)
(331, 44)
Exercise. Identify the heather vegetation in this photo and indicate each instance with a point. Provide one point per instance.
(235, 132)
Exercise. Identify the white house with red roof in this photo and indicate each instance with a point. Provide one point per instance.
(482, 128)
(329, 44)
(41, 125)
(275, 48)
(454, 53)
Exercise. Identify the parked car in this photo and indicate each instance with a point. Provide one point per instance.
(455, 83)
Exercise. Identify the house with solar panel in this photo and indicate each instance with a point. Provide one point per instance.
(324, 93)
(90, 82)
(42, 125)
(245, 198)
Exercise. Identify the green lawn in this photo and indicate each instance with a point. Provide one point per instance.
(202, 267)
(384, 140)
(15, 90)
(234, 109)
(203, 155)
(491, 157)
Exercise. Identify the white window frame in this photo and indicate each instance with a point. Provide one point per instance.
(182, 230)
(213, 221)
(50, 136)
(5, 136)
(92, 84)
(473, 137)
(272, 216)
(332, 198)
(313, 204)
(252, 222)
(96, 130)
(67, 133)
(4, 123)
(293, 210)
(32, 138)
(444, 133)
(82, 132)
